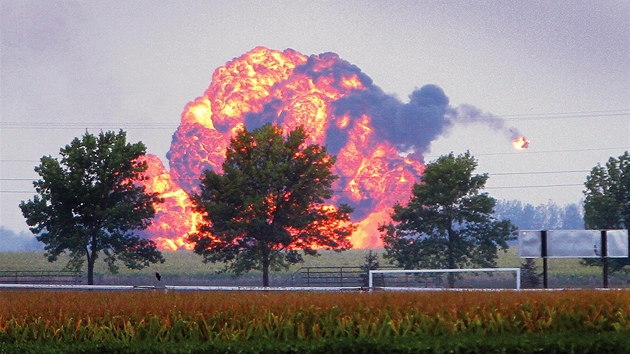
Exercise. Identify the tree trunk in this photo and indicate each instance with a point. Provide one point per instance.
(90, 270)
(265, 267)
(265, 271)
(450, 255)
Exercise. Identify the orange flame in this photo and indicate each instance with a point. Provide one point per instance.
(521, 143)
(288, 89)
(173, 217)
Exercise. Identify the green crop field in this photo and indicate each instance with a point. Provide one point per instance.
(177, 262)
(187, 268)
(181, 268)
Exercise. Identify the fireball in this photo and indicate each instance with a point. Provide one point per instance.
(340, 108)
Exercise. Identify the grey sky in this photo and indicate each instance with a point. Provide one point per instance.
(558, 71)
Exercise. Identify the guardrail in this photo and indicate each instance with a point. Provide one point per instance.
(40, 277)
(175, 288)
(333, 276)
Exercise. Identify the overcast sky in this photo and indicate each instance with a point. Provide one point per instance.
(558, 71)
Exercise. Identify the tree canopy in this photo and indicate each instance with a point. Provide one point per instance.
(607, 195)
(89, 202)
(607, 201)
(448, 222)
(269, 203)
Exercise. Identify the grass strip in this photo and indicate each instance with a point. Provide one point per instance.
(559, 342)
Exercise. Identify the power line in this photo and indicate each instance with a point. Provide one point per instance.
(70, 125)
(532, 173)
(565, 115)
(524, 173)
(541, 152)
(434, 156)
(539, 186)
(393, 190)
(164, 125)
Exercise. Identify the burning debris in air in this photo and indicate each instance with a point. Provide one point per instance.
(338, 105)
(521, 143)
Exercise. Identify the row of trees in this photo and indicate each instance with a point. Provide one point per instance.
(266, 205)
(269, 203)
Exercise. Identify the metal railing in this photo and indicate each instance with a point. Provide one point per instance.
(40, 277)
(333, 276)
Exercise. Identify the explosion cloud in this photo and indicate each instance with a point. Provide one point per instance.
(379, 140)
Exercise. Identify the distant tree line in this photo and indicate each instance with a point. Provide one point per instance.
(548, 216)
(11, 241)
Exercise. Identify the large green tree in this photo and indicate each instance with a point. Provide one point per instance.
(89, 202)
(448, 222)
(607, 201)
(269, 203)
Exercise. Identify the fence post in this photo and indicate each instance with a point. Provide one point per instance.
(308, 276)
(543, 254)
(605, 257)
(341, 276)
